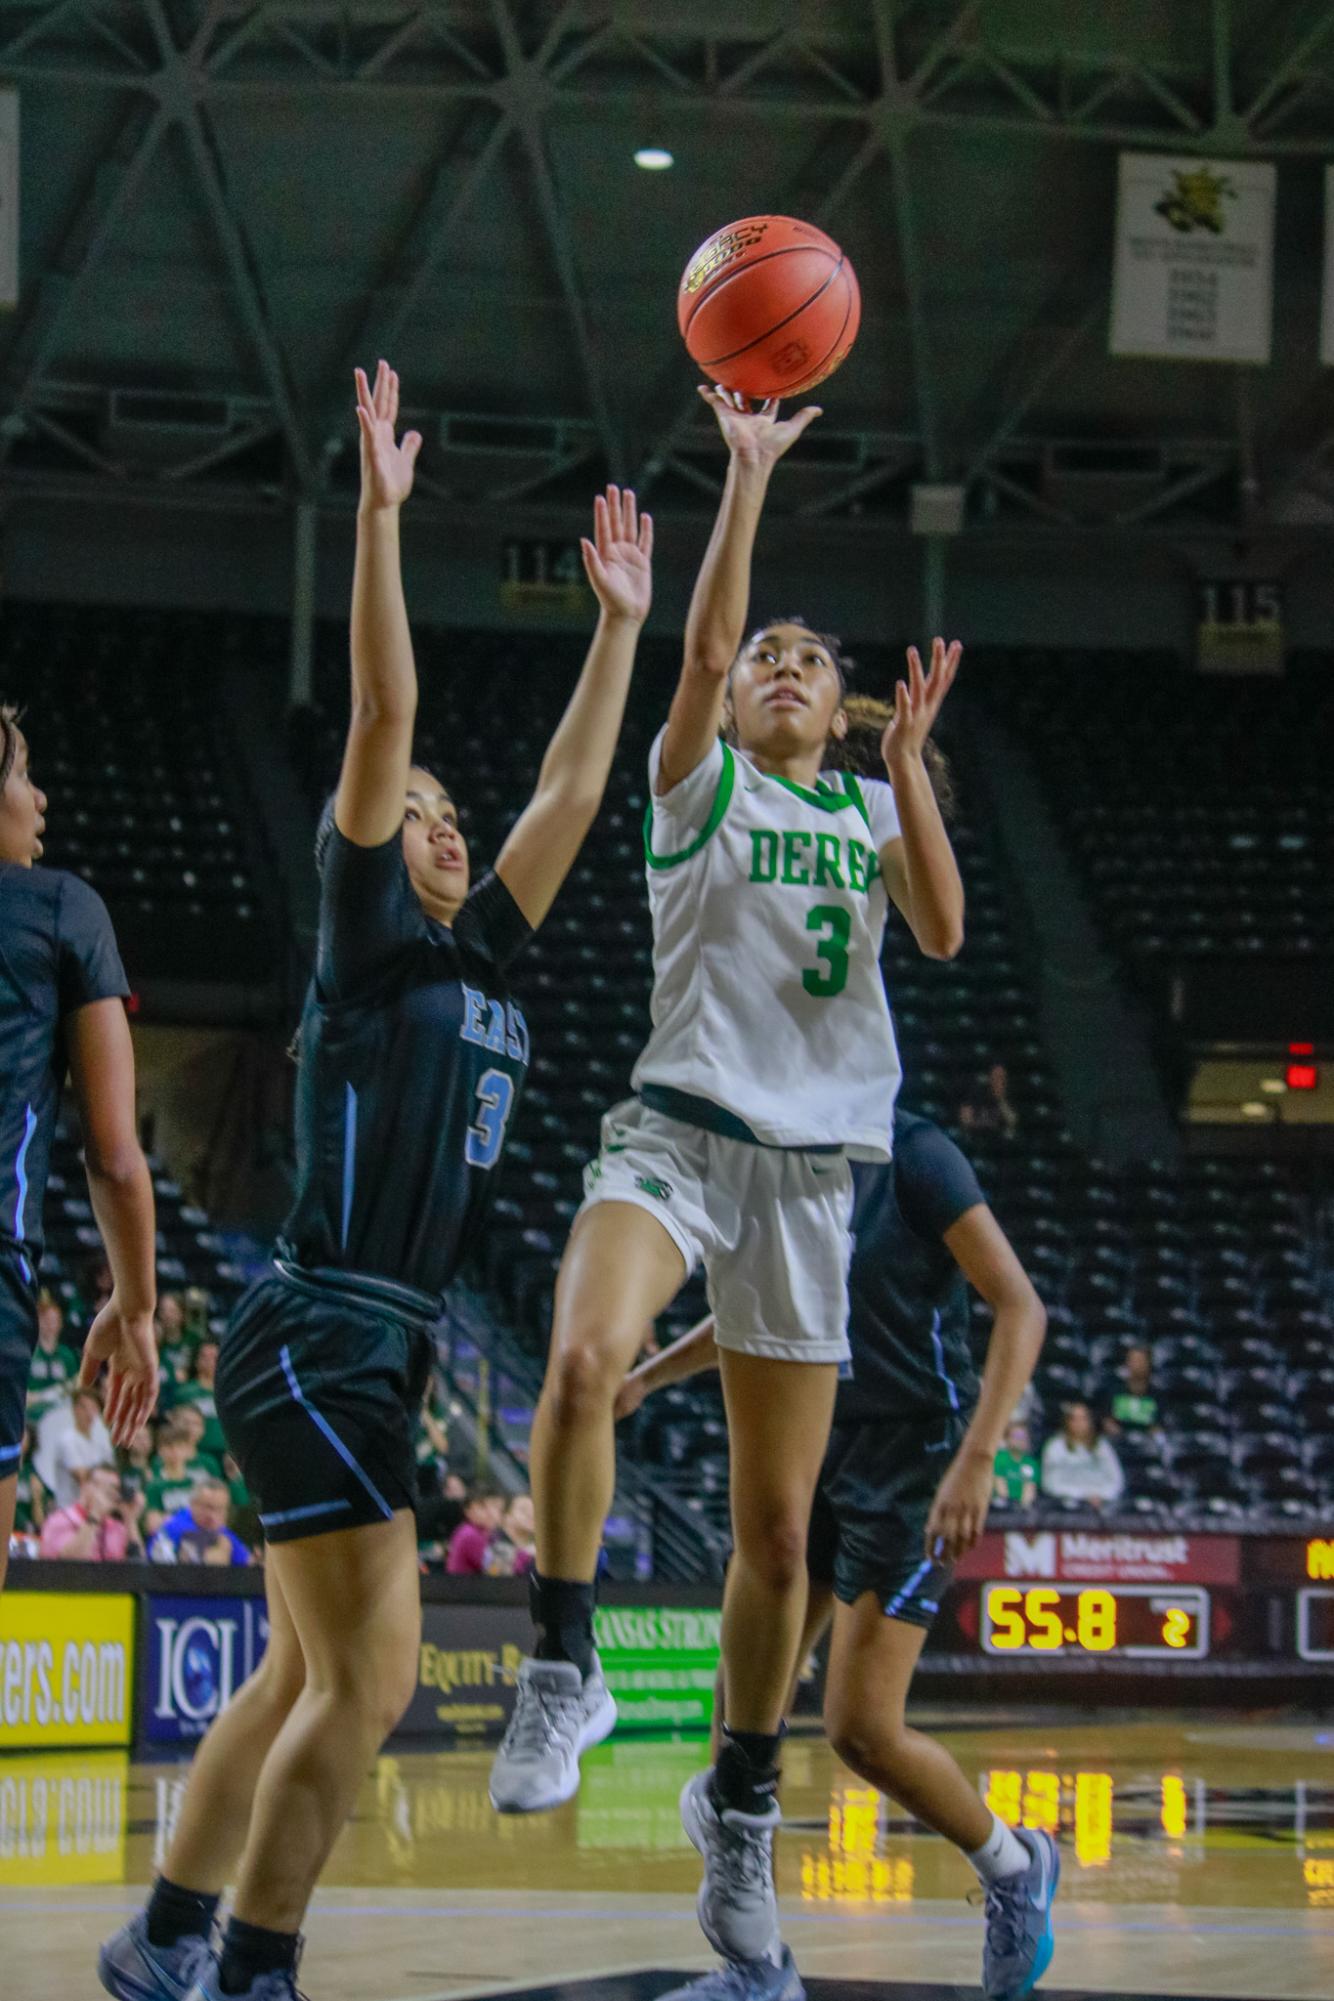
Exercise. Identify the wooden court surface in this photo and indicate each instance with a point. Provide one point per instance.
(1198, 1860)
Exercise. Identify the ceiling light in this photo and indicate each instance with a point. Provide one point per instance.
(654, 159)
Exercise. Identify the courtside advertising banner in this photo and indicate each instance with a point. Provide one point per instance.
(9, 198)
(66, 1670)
(200, 1650)
(1194, 276)
(660, 1662)
(1327, 293)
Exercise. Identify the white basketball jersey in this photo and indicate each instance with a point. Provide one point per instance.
(768, 918)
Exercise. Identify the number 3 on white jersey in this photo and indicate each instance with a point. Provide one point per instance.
(495, 1099)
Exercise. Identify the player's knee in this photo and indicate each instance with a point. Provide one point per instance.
(775, 1548)
(869, 1742)
(581, 1382)
(280, 1678)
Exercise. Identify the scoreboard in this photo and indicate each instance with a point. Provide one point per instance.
(1095, 1601)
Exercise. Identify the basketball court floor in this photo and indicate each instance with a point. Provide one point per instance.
(1198, 1858)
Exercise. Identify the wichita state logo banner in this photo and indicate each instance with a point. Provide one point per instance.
(1194, 259)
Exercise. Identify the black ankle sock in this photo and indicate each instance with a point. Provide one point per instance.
(174, 1913)
(746, 1774)
(249, 1951)
(562, 1611)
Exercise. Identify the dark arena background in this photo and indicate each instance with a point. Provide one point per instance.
(1088, 429)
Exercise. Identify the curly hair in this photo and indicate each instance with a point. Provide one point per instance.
(9, 740)
(868, 717)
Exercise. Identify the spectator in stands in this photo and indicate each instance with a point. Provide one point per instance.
(175, 1348)
(54, 1364)
(1129, 1401)
(198, 1532)
(31, 1500)
(100, 1526)
(188, 1417)
(1078, 1465)
(84, 1442)
(432, 1441)
(135, 1461)
(471, 1540)
(513, 1548)
(95, 1288)
(199, 1392)
(243, 1515)
(1016, 1470)
(438, 1515)
(989, 1110)
(176, 1469)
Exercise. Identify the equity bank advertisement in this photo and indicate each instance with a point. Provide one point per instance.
(66, 1670)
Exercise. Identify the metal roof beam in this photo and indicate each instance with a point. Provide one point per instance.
(95, 218)
(180, 85)
(527, 91)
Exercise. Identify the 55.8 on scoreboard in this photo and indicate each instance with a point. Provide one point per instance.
(1136, 1621)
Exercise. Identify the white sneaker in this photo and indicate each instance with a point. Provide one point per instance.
(558, 1714)
(737, 1907)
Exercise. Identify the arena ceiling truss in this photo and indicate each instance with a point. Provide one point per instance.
(226, 202)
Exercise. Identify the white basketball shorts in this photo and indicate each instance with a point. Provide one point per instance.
(769, 1224)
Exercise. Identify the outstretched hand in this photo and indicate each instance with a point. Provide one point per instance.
(918, 702)
(387, 465)
(756, 436)
(619, 559)
(126, 1344)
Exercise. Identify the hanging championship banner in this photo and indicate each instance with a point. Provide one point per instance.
(1194, 259)
(9, 197)
(1327, 298)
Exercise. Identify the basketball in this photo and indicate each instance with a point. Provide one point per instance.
(769, 306)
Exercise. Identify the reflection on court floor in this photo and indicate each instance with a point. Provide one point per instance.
(1199, 1859)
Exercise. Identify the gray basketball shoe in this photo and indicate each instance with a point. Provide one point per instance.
(558, 1714)
(737, 1908)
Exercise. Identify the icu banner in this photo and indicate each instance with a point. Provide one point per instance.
(1327, 298)
(66, 1669)
(1194, 259)
(9, 197)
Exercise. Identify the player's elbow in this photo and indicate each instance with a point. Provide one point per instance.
(115, 1162)
(942, 939)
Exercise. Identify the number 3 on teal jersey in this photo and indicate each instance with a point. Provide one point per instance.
(495, 1098)
(833, 949)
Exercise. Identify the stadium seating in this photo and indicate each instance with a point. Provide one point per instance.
(1226, 782)
(131, 744)
(190, 1251)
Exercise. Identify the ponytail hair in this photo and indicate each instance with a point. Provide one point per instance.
(9, 741)
(868, 718)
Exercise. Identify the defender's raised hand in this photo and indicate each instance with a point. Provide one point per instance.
(387, 464)
(619, 559)
(918, 702)
(756, 436)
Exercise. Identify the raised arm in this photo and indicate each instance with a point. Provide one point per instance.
(369, 804)
(695, 1352)
(919, 868)
(544, 841)
(120, 1188)
(987, 1260)
(716, 626)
